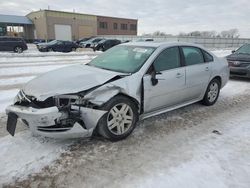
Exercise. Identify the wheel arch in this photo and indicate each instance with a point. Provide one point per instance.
(217, 78)
(135, 101)
(16, 46)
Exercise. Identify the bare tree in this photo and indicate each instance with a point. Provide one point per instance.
(156, 34)
(231, 33)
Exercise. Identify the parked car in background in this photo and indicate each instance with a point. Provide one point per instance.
(106, 44)
(57, 46)
(14, 44)
(239, 62)
(83, 40)
(126, 41)
(145, 40)
(88, 43)
(37, 41)
(127, 83)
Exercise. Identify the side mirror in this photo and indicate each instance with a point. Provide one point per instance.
(233, 51)
(154, 80)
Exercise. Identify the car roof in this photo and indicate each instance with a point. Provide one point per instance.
(161, 44)
(11, 37)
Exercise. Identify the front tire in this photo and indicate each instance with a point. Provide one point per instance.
(102, 49)
(120, 120)
(212, 93)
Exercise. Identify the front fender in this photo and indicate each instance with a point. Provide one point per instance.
(103, 94)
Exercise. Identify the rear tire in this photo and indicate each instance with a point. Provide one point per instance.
(120, 120)
(18, 49)
(73, 49)
(212, 93)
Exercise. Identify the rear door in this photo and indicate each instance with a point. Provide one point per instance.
(67, 46)
(107, 44)
(11, 43)
(171, 81)
(59, 46)
(198, 72)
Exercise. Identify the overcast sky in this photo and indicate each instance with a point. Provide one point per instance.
(170, 16)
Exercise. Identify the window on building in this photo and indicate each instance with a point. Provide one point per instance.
(103, 25)
(124, 27)
(133, 27)
(115, 26)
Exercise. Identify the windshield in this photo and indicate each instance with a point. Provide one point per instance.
(125, 59)
(245, 49)
(102, 41)
(53, 42)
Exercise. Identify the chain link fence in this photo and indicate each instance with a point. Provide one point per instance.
(217, 43)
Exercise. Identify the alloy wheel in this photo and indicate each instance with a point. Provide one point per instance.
(18, 49)
(213, 92)
(120, 119)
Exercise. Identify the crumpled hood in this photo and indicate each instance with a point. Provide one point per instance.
(71, 79)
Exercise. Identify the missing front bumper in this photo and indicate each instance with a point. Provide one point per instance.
(43, 121)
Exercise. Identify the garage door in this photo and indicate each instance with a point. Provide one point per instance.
(63, 32)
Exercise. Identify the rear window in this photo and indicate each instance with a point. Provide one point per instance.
(192, 55)
(207, 56)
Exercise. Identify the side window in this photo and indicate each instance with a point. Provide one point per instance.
(192, 55)
(108, 42)
(207, 56)
(13, 39)
(168, 59)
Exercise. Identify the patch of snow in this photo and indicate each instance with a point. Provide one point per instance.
(6, 98)
(6, 60)
(235, 88)
(25, 154)
(26, 70)
(220, 161)
(222, 52)
(16, 80)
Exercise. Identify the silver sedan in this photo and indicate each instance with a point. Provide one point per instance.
(109, 95)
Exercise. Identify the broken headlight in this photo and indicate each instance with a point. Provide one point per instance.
(65, 101)
(21, 97)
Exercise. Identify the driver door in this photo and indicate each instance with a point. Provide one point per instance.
(170, 75)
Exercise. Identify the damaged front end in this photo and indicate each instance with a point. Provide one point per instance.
(63, 116)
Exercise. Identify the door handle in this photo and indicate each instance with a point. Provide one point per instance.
(206, 69)
(178, 75)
